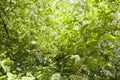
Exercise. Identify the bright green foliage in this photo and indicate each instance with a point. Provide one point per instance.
(59, 39)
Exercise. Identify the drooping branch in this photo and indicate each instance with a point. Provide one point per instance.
(4, 26)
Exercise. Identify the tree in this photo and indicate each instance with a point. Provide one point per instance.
(75, 39)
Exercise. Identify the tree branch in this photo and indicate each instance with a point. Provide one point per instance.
(4, 26)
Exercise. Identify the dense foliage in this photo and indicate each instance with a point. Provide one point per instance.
(59, 39)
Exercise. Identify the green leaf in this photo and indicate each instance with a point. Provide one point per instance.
(7, 61)
(91, 42)
(110, 36)
(90, 0)
(3, 78)
(108, 52)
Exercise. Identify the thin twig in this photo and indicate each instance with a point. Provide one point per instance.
(4, 26)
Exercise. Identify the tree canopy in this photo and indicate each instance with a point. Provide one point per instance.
(59, 39)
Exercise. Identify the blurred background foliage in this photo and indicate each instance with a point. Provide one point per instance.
(59, 39)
